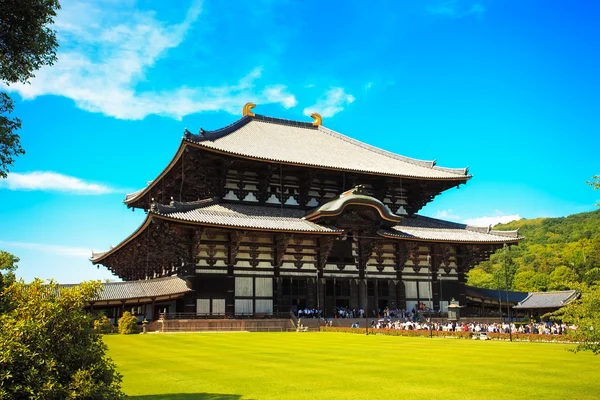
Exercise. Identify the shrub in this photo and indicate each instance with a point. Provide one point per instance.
(128, 324)
(48, 349)
(103, 325)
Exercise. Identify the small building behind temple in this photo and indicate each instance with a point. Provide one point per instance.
(145, 299)
(266, 216)
(536, 304)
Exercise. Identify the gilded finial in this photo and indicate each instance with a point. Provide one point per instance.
(318, 120)
(247, 109)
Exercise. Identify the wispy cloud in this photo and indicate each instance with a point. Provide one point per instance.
(446, 214)
(52, 181)
(66, 251)
(499, 218)
(332, 102)
(457, 8)
(107, 48)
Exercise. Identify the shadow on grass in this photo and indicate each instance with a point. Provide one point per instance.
(188, 396)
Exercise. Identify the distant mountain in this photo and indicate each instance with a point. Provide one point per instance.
(555, 254)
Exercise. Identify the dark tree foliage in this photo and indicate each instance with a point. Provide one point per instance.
(48, 348)
(595, 183)
(10, 147)
(556, 254)
(26, 44)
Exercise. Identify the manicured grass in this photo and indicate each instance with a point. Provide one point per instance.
(324, 365)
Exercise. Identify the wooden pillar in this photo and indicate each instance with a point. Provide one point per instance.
(354, 301)
(376, 296)
(153, 309)
(401, 295)
(230, 293)
(392, 300)
(362, 295)
(311, 295)
(122, 307)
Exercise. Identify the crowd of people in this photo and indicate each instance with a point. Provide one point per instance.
(415, 320)
(542, 328)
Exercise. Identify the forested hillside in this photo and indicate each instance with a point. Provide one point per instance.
(555, 254)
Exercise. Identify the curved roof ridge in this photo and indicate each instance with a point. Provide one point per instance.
(217, 133)
(181, 206)
(282, 121)
(422, 163)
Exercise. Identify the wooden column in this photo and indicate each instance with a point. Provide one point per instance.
(362, 295)
(392, 300)
(354, 300)
(152, 310)
(435, 261)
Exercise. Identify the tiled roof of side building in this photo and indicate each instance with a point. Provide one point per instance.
(301, 143)
(425, 228)
(548, 299)
(168, 286)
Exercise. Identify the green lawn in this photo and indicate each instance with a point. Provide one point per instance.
(347, 366)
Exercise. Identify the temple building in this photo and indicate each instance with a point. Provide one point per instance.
(268, 215)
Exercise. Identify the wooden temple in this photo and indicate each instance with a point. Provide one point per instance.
(267, 215)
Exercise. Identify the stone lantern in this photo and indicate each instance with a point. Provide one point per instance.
(454, 311)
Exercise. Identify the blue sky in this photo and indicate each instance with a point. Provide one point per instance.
(509, 88)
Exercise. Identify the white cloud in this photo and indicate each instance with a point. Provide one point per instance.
(52, 181)
(369, 85)
(456, 8)
(67, 251)
(107, 48)
(331, 103)
(492, 220)
(446, 214)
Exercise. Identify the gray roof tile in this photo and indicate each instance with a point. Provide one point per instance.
(240, 216)
(548, 299)
(425, 228)
(301, 143)
(166, 286)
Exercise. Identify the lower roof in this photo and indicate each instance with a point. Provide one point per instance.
(140, 290)
(548, 299)
(212, 213)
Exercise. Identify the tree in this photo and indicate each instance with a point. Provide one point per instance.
(595, 183)
(562, 278)
(48, 348)
(479, 278)
(8, 265)
(26, 44)
(127, 324)
(585, 314)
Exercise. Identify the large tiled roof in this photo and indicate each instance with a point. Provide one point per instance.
(301, 143)
(168, 286)
(210, 212)
(425, 228)
(548, 299)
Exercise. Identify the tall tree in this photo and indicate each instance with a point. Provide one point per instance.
(585, 314)
(595, 183)
(8, 265)
(27, 43)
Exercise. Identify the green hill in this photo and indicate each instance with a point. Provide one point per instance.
(556, 254)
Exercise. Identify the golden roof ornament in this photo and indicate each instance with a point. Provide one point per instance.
(318, 120)
(247, 109)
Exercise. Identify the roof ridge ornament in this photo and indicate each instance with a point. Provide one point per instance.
(358, 189)
(247, 109)
(318, 120)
